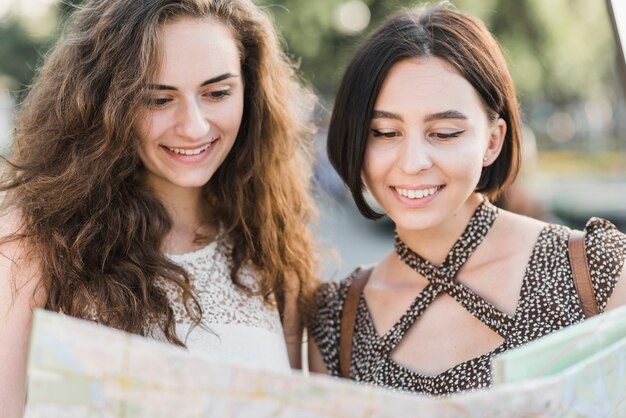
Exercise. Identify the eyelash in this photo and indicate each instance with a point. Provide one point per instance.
(160, 102)
(378, 134)
(157, 102)
(455, 134)
(218, 95)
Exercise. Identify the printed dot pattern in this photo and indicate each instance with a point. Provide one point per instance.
(548, 302)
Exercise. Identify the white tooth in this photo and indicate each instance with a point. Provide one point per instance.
(419, 194)
(181, 151)
(411, 194)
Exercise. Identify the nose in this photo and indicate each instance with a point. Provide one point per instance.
(192, 122)
(415, 155)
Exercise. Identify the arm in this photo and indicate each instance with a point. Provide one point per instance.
(316, 362)
(292, 323)
(18, 281)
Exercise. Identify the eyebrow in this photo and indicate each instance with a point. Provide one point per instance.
(216, 79)
(448, 114)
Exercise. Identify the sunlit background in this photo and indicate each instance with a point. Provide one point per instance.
(562, 54)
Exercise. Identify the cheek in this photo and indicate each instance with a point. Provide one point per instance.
(368, 166)
(467, 165)
(227, 115)
(374, 169)
(380, 158)
(145, 129)
(235, 115)
(144, 136)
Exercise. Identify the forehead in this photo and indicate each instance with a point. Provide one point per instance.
(194, 44)
(426, 82)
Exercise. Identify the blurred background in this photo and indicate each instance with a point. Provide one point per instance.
(563, 55)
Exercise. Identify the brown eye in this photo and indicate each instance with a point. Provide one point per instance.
(218, 95)
(157, 102)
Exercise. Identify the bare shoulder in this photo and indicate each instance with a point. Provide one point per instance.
(512, 237)
(517, 229)
(11, 247)
(10, 221)
(19, 265)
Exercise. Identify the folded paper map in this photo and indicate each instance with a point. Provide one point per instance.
(80, 369)
(560, 350)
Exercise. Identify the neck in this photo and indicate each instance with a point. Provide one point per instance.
(435, 243)
(189, 216)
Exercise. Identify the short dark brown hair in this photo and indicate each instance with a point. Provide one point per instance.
(433, 31)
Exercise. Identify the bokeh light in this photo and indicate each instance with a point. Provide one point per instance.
(353, 16)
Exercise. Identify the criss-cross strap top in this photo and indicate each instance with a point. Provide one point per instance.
(548, 301)
(442, 279)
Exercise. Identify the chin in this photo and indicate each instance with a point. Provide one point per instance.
(414, 221)
(191, 184)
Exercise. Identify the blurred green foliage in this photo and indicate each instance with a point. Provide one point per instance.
(559, 50)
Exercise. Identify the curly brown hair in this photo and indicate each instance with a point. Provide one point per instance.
(73, 171)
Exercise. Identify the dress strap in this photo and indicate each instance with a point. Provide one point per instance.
(348, 318)
(580, 272)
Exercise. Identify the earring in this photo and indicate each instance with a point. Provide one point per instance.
(485, 158)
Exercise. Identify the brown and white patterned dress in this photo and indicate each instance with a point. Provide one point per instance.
(548, 302)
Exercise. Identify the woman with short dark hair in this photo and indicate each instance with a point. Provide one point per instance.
(427, 121)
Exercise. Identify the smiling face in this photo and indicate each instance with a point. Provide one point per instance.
(429, 135)
(194, 107)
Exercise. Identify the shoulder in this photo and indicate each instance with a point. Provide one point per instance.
(606, 252)
(605, 246)
(10, 222)
(331, 294)
(329, 300)
(325, 322)
(513, 231)
(601, 236)
(13, 246)
(19, 264)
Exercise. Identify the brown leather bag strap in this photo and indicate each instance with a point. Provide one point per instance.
(580, 272)
(348, 318)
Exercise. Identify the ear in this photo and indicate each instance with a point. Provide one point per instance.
(496, 140)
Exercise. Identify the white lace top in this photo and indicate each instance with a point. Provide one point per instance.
(236, 327)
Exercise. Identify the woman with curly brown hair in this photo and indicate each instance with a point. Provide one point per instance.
(159, 184)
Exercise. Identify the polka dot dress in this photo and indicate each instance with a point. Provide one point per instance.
(548, 302)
